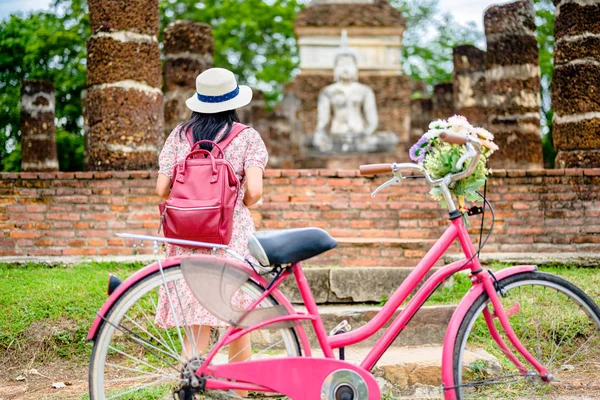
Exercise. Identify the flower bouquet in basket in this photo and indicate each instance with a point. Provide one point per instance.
(440, 158)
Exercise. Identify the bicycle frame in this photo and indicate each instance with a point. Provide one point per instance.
(243, 376)
(482, 282)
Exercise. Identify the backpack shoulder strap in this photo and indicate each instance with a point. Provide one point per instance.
(235, 130)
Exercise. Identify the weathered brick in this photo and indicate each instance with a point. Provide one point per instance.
(24, 235)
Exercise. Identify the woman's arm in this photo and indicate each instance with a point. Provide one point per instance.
(254, 186)
(163, 186)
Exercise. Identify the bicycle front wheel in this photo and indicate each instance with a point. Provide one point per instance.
(555, 321)
(133, 358)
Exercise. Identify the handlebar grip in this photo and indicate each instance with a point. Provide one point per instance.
(372, 169)
(453, 138)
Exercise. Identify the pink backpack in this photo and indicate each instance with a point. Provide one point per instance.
(204, 192)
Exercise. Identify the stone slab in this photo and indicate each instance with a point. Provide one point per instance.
(427, 327)
(318, 280)
(357, 285)
(580, 259)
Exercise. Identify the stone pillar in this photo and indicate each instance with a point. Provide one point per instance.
(470, 98)
(442, 101)
(124, 98)
(420, 118)
(38, 141)
(513, 84)
(576, 84)
(255, 111)
(189, 49)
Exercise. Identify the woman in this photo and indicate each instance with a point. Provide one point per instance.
(213, 117)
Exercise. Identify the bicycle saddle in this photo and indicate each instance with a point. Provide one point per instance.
(289, 246)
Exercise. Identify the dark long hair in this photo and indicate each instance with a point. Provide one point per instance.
(208, 126)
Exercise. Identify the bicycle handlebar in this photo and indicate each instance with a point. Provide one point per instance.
(373, 169)
(473, 153)
(453, 138)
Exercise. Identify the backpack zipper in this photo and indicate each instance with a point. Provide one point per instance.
(162, 217)
(191, 208)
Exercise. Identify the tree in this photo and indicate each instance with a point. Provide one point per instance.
(253, 38)
(544, 21)
(40, 46)
(429, 39)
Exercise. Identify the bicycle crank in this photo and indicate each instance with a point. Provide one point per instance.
(344, 384)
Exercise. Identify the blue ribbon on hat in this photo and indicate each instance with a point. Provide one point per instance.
(219, 99)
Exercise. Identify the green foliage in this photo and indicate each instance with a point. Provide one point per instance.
(429, 39)
(253, 38)
(12, 161)
(544, 20)
(70, 151)
(40, 46)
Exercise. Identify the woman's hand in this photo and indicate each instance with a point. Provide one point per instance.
(163, 186)
(254, 186)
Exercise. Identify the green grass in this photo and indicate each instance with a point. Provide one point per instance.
(587, 279)
(48, 311)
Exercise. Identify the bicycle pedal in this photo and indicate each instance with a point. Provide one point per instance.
(342, 327)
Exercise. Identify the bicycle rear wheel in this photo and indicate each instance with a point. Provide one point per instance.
(555, 321)
(133, 358)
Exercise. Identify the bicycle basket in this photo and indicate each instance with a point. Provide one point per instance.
(225, 291)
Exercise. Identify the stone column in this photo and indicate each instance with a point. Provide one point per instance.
(442, 101)
(470, 98)
(38, 141)
(513, 84)
(576, 84)
(189, 49)
(420, 118)
(124, 99)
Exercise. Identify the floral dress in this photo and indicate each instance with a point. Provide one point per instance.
(246, 150)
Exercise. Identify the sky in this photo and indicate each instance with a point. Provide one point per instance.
(462, 10)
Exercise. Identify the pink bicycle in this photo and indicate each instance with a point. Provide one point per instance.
(539, 333)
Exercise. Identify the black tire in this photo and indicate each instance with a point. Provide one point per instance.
(585, 303)
(96, 392)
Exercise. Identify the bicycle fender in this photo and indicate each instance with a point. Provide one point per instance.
(456, 320)
(170, 263)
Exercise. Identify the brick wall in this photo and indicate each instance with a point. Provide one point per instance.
(79, 213)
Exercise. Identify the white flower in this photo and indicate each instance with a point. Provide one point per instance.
(458, 120)
(460, 130)
(483, 133)
(432, 133)
(439, 124)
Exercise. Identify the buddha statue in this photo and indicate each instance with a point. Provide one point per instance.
(347, 113)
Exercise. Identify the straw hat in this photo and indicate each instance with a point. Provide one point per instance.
(216, 91)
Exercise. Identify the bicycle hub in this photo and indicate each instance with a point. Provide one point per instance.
(344, 384)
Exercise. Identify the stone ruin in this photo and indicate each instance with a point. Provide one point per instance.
(38, 142)
(374, 31)
(189, 49)
(469, 90)
(576, 84)
(442, 101)
(498, 89)
(512, 76)
(124, 96)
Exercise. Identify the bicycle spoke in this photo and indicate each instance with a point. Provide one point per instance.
(166, 330)
(166, 287)
(162, 339)
(135, 389)
(136, 359)
(555, 322)
(174, 377)
(172, 355)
